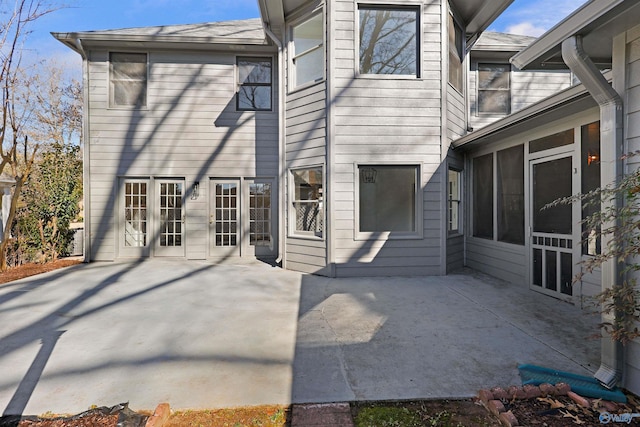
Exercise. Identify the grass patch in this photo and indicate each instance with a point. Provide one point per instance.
(384, 416)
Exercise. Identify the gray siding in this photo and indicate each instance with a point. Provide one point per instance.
(306, 146)
(189, 130)
(527, 87)
(456, 115)
(501, 260)
(632, 122)
(386, 120)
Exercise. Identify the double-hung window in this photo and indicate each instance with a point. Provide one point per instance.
(308, 213)
(127, 79)
(389, 40)
(455, 54)
(254, 84)
(494, 89)
(307, 51)
(454, 191)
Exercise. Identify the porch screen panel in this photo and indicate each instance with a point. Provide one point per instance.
(552, 181)
(510, 169)
(483, 196)
(135, 214)
(260, 214)
(226, 215)
(171, 214)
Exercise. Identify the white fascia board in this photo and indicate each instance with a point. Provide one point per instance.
(571, 25)
(547, 104)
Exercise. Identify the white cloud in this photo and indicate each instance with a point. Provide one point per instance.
(525, 29)
(534, 17)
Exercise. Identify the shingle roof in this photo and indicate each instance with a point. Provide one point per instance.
(490, 40)
(248, 31)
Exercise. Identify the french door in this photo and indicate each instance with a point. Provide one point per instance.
(241, 218)
(552, 241)
(170, 218)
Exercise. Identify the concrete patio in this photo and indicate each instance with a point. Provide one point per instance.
(199, 335)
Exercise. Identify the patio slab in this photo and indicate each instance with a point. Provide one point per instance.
(199, 335)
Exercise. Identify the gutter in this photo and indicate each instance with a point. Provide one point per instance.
(86, 166)
(611, 142)
(281, 143)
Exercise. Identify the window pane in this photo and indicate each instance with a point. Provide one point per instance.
(552, 141)
(310, 67)
(388, 41)
(254, 71)
(494, 101)
(307, 35)
(483, 196)
(308, 52)
(493, 76)
(254, 98)
(511, 195)
(129, 93)
(388, 198)
(590, 158)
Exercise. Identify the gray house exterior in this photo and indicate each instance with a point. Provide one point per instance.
(316, 137)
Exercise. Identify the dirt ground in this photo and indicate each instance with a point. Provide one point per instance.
(549, 411)
(27, 270)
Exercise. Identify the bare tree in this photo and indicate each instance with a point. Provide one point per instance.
(17, 153)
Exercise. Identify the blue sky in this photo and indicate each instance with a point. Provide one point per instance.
(529, 17)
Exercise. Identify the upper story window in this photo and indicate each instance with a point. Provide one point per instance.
(127, 79)
(307, 51)
(494, 88)
(389, 40)
(254, 84)
(455, 54)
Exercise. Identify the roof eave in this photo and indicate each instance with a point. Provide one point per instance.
(549, 43)
(570, 95)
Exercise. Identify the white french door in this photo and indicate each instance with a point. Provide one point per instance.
(170, 218)
(241, 218)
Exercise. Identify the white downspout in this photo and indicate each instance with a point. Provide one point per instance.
(281, 160)
(611, 143)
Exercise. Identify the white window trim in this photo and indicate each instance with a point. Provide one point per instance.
(407, 5)
(459, 230)
(292, 231)
(111, 105)
(389, 235)
(293, 86)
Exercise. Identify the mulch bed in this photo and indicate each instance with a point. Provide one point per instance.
(26, 270)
